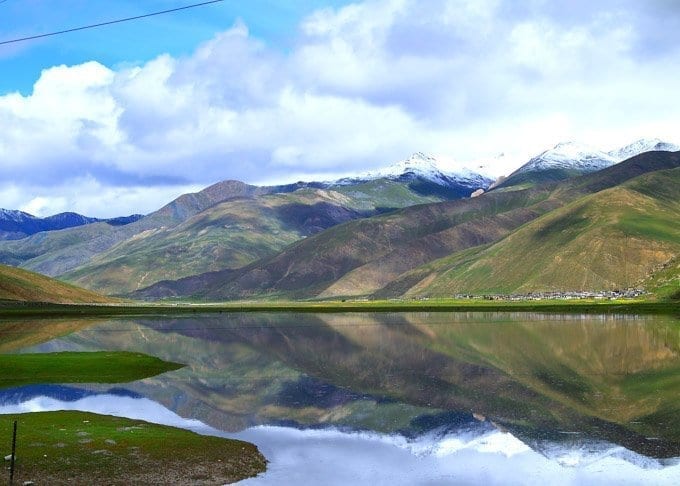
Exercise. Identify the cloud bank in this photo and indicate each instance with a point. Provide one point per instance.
(362, 86)
(332, 457)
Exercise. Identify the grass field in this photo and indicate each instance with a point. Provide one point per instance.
(14, 310)
(613, 239)
(84, 448)
(69, 367)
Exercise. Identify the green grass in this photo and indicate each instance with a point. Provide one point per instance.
(665, 283)
(70, 367)
(532, 178)
(233, 234)
(642, 226)
(84, 448)
(431, 305)
(609, 240)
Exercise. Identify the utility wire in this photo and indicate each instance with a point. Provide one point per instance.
(110, 22)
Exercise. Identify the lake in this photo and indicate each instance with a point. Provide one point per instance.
(397, 398)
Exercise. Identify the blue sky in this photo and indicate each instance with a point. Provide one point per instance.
(133, 42)
(122, 119)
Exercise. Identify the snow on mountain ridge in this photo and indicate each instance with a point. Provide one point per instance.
(569, 155)
(584, 158)
(424, 166)
(14, 215)
(641, 146)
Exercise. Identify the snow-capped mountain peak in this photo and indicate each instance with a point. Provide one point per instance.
(424, 166)
(581, 158)
(421, 166)
(641, 146)
(569, 155)
(14, 215)
(418, 164)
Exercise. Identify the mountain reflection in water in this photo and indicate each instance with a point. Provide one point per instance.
(555, 382)
(334, 457)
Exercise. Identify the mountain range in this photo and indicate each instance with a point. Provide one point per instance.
(572, 218)
(606, 230)
(227, 225)
(15, 225)
(570, 159)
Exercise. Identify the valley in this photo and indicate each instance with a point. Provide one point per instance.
(409, 231)
(340, 242)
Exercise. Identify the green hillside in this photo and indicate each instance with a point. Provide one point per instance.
(664, 282)
(228, 235)
(56, 252)
(589, 232)
(235, 233)
(20, 285)
(610, 240)
(410, 236)
(227, 225)
(525, 180)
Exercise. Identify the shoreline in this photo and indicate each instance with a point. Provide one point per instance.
(82, 447)
(35, 309)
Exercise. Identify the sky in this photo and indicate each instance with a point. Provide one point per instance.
(469, 458)
(124, 118)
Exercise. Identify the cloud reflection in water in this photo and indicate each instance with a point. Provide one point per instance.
(330, 456)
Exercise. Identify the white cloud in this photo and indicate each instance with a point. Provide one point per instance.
(364, 85)
(81, 195)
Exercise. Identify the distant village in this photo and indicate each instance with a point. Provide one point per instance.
(574, 295)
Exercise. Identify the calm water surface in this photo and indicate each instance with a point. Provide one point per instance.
(403, 398)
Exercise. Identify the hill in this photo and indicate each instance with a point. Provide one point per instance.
(15, 225)
(613, 239)
(389, 254)
(567, 160)
(19, 285)
(230, 234)
(56, 252)
(227, 225)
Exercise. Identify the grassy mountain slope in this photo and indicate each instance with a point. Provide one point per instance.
(664, 282)
(20, 285)
(228, 235)
(524, 180)
(236, 232)
(377, 256)
(56, 252)
(417, 233)
(388, 194)
(608, 240)
(227, 225)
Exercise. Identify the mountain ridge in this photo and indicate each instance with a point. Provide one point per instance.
(390, 244)
(15, 224)
(571, 159)
(226, 225)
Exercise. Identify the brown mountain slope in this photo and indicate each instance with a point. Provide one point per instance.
(57, 252)
(23, 286)
(361, 257)
(610, 240)
(309, 266)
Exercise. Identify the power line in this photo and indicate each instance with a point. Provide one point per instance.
(110, 22)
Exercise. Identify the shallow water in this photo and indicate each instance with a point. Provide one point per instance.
(402, 398)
